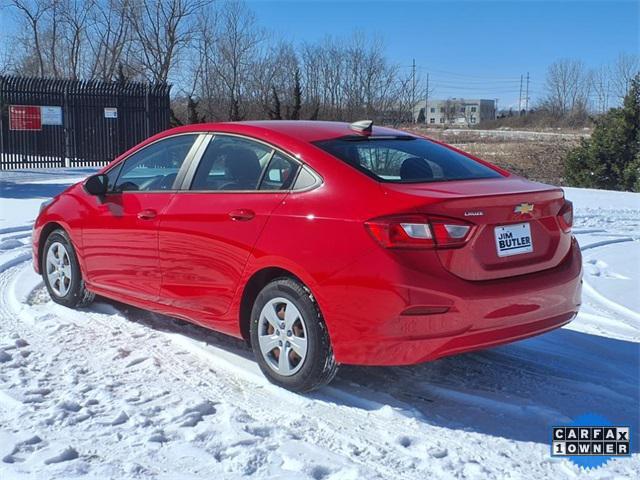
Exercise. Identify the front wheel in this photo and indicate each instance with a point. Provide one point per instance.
(289, 337)
(61, 272)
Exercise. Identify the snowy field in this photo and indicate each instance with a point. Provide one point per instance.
(507, 134)
(116, 392)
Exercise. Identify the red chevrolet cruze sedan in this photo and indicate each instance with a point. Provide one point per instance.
(321, 243)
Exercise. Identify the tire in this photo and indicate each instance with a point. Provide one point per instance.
(64, 282)
(303, 326)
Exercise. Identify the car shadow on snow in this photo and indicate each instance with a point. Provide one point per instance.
(9, 189)
(39, 183)
(518, 391)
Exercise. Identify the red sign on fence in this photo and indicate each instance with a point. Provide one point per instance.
(25, 117)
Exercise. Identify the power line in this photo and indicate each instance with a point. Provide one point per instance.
(467, 75)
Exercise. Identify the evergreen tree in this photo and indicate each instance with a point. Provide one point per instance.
(274, 111)
(610, 159)
(297, 96)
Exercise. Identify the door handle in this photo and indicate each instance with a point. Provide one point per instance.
(147, 214)
(242, 215)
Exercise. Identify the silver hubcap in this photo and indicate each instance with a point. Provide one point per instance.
(282, 335)
(58, 269)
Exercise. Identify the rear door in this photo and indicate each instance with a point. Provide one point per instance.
(120, 230)
(210, 227)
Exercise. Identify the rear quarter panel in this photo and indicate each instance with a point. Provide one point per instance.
(317, 234)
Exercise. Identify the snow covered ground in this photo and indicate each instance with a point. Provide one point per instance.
(116, 392)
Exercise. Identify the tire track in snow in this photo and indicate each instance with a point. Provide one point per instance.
(336, 419)
(234, 378)
(239, 381)
(629, 317)
(22, 228)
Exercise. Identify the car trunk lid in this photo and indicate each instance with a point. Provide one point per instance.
(515, 225)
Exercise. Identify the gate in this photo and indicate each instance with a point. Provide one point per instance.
(47, 123)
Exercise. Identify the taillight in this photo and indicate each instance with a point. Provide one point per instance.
(565, 216)
(417, 231)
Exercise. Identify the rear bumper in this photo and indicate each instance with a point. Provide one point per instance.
(478, 314)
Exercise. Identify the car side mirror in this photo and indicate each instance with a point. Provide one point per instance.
(97, 184)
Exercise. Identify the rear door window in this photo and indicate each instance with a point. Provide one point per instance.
(279, 174)
(231, 163)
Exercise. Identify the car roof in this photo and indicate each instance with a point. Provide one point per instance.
(303, 130)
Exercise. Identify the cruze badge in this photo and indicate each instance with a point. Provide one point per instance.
(477, 213)
(524, 208)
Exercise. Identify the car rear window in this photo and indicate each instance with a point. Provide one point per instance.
(405, 159)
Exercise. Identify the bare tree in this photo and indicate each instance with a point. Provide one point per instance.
(111, 41)
(56, 42)
(73, 39)
(236, 47)
(32, 13)
(7, 51)
(274, 80)
(600, 87)
(162, 31)
(204, 84)
(452, 110)
(624, 69)
(567, 87)
(351, 78)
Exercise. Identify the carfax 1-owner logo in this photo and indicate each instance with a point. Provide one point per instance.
(590, 441)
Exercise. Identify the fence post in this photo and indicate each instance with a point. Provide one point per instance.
(1, 120)
(65, 122)
(147, 114)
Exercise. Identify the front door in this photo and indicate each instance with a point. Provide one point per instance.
(120, 231)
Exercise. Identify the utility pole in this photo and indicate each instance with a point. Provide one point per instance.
(413, 91)
(426, 102)
(520, 98)
(526, 100)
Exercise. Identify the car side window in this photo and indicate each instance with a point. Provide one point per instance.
(231, 163)
(280, 173)
(305, 180)
(156, 166)
(112, 176)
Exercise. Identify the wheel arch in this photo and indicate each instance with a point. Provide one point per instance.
(45, 231)
(256, 282)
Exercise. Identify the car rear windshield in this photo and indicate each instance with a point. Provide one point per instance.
(405, 159)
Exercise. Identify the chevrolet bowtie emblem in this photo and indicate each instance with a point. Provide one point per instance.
(524, 208)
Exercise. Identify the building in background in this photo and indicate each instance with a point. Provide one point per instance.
(455, 111)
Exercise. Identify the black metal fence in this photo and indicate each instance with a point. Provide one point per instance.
(48, 123)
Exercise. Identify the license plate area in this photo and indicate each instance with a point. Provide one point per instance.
(513, 239)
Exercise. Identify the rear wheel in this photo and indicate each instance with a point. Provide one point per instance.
(289, 337)
(61, 272)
